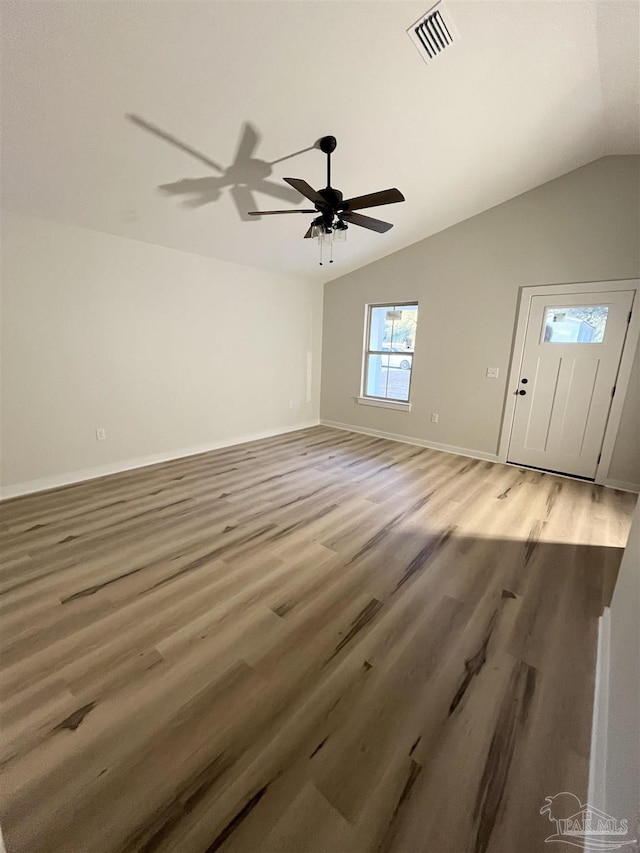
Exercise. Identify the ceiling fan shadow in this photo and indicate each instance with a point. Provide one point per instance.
(246, 175)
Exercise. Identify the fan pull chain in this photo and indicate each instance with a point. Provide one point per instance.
(331, 248)
(321, 253)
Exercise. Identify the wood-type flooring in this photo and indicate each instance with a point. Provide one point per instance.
(322, 642)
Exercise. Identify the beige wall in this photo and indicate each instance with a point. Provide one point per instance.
(583, 226)
(167, 351)
(625, 465)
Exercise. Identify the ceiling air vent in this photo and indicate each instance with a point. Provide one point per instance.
(433, 33)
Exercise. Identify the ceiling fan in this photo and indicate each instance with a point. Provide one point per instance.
(335, 213)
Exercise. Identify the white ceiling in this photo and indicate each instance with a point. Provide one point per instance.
(530, 91)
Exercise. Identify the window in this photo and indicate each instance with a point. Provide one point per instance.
(582, 324)
(389, 348)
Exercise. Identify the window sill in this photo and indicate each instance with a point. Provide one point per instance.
(384, 404)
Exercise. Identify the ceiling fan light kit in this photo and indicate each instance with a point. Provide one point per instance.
(328, 236)
(334, 212)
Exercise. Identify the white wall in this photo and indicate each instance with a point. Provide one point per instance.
(166, 350)
(583, 226)
(615, 761)
(623, 737)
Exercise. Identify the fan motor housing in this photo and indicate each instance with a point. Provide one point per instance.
(332, 197)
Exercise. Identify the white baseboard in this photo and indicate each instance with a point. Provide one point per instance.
(598, 757)
(57, 481)
(622, 485)
(420, 442)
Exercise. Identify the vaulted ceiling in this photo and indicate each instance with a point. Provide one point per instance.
(166, 121)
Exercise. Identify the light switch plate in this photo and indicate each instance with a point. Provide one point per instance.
(492, 372)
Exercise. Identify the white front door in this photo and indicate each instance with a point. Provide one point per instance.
(572, 352)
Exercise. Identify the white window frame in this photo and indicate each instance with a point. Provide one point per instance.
(383, 402)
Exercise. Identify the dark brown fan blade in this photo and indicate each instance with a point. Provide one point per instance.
(308, 234)
(273, 212)
(372, 200)
(306, 190)
(366, 221)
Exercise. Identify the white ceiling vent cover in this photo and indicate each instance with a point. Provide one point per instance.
(433, 32)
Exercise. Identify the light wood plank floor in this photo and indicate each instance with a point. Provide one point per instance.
(317, 643)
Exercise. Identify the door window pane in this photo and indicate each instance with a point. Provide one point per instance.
(582, 324)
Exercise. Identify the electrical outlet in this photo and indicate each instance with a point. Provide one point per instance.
(291, 404)
(101, 434)
(492, 372)
(434, 417)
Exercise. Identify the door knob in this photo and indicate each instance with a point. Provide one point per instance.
(522, 392)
